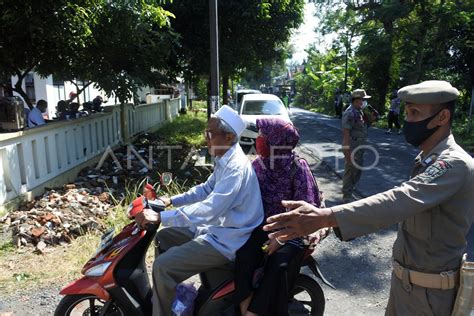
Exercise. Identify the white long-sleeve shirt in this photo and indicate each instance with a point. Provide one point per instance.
(225, 209)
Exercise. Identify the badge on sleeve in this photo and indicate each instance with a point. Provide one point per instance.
(436, 170)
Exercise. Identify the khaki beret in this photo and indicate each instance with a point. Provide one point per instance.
(429, 92)
(360, 93)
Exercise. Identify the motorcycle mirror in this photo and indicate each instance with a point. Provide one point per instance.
(137, 206)
(149, 192)
(166, 178)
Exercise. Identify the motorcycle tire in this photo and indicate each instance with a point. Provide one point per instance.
(69, 302)
(317, 301)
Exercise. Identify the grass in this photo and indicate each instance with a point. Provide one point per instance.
(21, 268)
(25, 269)
(186, 128)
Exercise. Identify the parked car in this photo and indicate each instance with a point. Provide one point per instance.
(239, 94)
(255, 106)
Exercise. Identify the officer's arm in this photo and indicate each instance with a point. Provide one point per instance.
(434, 186)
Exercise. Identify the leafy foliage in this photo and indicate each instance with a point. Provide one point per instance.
(398, 43)
(252, 34)
(120, 45)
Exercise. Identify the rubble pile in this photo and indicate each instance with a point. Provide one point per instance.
(57, 218)
(61, 215)
(128, 166)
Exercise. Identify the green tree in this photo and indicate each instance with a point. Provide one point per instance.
(35, 33)
(404, 42)
(132, 46)
(252, 34)
(120, 45)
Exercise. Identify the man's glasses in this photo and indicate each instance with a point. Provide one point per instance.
(208, 134)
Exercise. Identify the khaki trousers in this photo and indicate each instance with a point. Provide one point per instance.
(410, 299)
(182, 258)
(352, 173)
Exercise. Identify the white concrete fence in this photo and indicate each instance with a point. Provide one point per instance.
(33, 157)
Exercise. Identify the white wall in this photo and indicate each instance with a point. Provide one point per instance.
(34, 156)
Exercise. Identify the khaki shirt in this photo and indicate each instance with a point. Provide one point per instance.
(434, 209)
(354, 121)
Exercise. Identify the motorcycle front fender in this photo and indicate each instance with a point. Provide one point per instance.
(313, 265)
(86, 285)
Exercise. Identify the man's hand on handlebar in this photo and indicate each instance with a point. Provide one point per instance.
(165, 200)
(147, 216)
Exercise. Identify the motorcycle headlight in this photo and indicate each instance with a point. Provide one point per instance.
(98, 270)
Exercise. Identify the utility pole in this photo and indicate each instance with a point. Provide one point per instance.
(213, 104)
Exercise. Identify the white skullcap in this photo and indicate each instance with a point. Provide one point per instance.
(233, 119)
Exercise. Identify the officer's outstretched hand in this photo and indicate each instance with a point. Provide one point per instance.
(303, 220)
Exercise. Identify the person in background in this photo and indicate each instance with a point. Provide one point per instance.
(74, 110)
(61, 109)
(97, 104)
(355, 125)
(72, 96)
(35, 117)
(394, 113)
(26, 113)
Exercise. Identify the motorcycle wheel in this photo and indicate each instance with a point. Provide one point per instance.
(308, 297)
(86, 305)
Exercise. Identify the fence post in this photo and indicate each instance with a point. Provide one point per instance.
(168, 109)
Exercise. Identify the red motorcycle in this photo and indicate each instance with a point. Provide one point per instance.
(116, 281)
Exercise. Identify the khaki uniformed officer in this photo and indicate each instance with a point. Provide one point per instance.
(354, 137)
(434, 209)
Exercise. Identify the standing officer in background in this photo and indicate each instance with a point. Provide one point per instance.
(354, 135)
(434, 208)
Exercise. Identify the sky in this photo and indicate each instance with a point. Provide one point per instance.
(305, 35)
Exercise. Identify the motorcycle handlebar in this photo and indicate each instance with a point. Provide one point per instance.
(156, 205)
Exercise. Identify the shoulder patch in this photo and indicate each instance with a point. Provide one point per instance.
(436, 170)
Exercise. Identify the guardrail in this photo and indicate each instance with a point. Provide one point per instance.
(35, 156)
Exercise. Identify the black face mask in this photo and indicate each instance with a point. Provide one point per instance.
(417, 132)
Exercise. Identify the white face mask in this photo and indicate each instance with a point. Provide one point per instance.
(364, 104)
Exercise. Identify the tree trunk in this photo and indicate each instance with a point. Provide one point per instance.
(225, 87)
(79, 91)
(209, 110)
(19, 89)
(384, 88)
(420, 55)
(425, 23)
(470, 110)
(123, 124)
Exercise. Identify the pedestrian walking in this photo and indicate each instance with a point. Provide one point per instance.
(394, 113)
(433, 208)
(354, 137)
